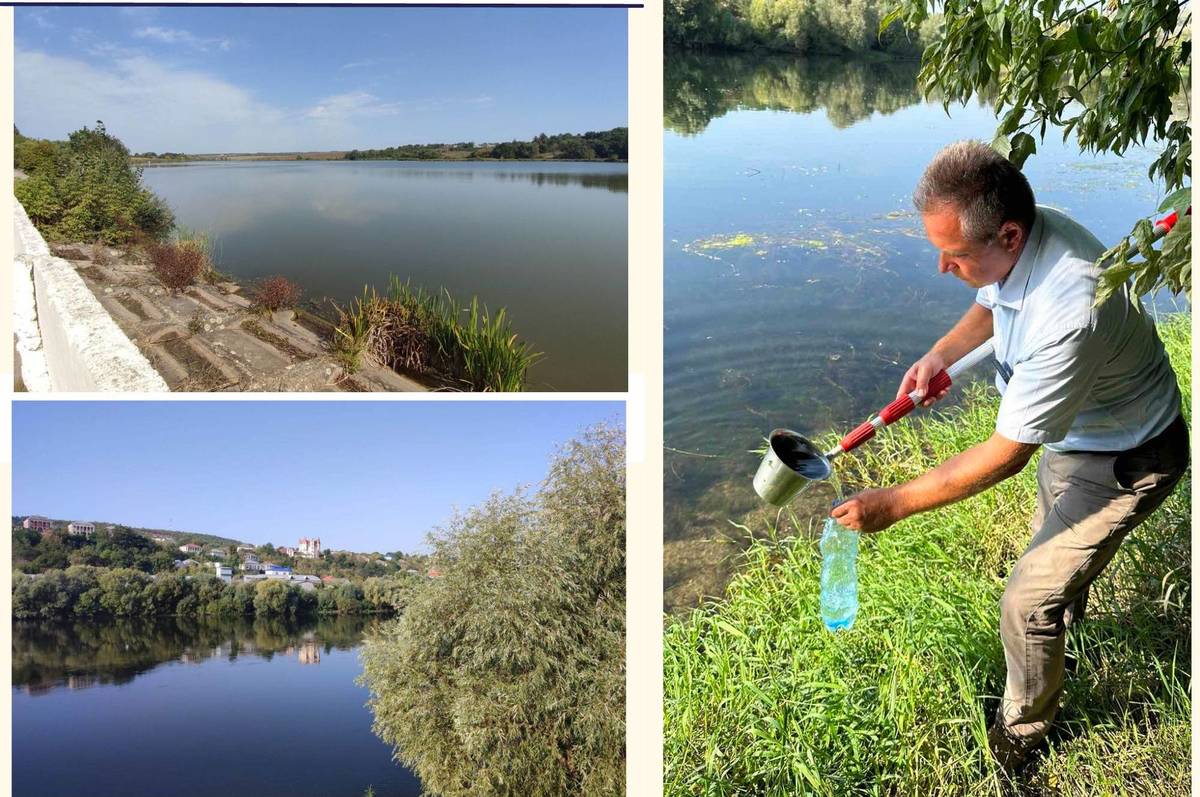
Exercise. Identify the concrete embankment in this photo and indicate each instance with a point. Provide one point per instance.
(64, 338)
(82, 305)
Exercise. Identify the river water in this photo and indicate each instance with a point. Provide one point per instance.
(546, 240)
(798, 282)
(260, 708)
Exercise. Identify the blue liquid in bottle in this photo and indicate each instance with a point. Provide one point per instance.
(839, 577)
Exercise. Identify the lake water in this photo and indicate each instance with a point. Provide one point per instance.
(179, 707)
(546, 240)
(798, 283)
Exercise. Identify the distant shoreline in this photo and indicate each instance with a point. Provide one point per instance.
(295, 157)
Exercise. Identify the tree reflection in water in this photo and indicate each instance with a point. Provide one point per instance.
(698, 88)
(79, 655)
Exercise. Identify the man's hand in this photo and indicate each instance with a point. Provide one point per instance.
(917, 377)
(869, 511)
(959, 477)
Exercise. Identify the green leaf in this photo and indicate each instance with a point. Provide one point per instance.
(1001, 144)
(889, 18)
(1086, 36)
(1012, 120)
(1023, 145)
(1177, 200)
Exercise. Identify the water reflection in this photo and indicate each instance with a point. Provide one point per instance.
(81, 655)
(699, 88)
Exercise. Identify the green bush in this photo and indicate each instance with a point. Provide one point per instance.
(85, 189)
(761, 699)
(506, 674)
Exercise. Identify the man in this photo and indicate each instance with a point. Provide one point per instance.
(1092, 385)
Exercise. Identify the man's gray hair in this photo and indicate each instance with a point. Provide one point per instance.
(983, 185)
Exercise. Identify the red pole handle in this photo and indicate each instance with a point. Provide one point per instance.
(904, 405)
(1166, 224)
(892, 413)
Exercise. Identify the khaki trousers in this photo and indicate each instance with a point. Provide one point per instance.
(1087, 503)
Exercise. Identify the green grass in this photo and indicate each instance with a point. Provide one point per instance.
(761, 699)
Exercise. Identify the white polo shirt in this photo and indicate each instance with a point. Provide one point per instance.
(1083, 378)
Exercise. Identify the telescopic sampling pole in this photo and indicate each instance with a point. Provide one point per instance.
(943, 379)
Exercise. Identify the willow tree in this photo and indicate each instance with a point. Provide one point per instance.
(1116, 74)
(505, 675)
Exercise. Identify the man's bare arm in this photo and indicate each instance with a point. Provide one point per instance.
(959, 477)
(973, 328)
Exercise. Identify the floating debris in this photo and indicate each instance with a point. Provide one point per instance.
(734, 241)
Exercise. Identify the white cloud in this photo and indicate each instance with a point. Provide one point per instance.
(350, 104)
(39, 18)
(182, 37)
(151, 106)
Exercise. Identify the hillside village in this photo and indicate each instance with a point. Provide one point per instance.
(41, 543)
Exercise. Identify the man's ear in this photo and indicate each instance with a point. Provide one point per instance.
(1011, 236)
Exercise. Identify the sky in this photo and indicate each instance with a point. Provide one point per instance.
(361, 475)
(203, 80)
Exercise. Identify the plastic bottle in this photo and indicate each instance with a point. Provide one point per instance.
(839, 577)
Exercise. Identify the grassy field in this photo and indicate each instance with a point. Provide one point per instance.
(761, 699)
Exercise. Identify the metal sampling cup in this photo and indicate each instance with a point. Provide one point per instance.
(791, 462)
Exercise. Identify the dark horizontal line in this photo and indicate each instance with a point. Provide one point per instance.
(337, 5)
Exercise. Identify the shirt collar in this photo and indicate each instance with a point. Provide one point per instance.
(1010, 291)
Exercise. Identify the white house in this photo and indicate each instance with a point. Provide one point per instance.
(191, 547)
(310, 549)
(223, 572)
(277, 571)
(251, 566)
(78, 529)
(218, 553)
(185, 563)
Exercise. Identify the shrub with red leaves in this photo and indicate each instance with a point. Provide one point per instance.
(178, 266)
(276, 292)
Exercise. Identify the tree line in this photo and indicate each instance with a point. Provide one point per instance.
(123, 546)
(608, 145)
(82, 591)
(830, 27)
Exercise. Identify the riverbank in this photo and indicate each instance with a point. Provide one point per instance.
(759, 697)
(210, 337)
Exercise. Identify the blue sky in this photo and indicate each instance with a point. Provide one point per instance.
(286, 79)
(361, 475)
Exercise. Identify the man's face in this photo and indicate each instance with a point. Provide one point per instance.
(974, 262)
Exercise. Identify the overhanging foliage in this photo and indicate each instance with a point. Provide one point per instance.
(1114, 74)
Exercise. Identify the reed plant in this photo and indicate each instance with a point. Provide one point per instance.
(761, 699)
(350, 335)
(425, 332)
